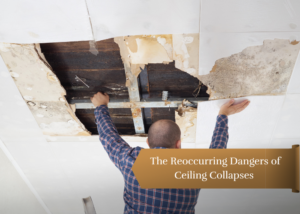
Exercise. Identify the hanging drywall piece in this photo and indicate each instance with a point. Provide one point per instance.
(186, 119)
(116, 18)
(145, 49)
(149, 49)
(44, 21)
(41, 90)
(257, 70)
(256, 123)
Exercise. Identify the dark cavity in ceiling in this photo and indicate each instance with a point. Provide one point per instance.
(105, 72)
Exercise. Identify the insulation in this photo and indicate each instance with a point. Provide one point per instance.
(41, 89)
(257, 70)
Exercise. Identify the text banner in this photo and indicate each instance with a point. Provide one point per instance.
(218, 168)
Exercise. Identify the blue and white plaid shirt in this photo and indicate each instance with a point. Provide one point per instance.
(138, 200)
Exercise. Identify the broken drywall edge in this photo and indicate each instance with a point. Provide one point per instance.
(215, 46)
(149, 50)
(41, 89)
(145, 49)
(186, 53)
(186, 119)
(257, 70)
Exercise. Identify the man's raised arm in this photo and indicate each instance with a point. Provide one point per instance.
(220, 136)
(114, 145)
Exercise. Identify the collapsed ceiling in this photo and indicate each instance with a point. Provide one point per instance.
(58, 79)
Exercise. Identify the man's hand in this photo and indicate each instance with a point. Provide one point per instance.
(100, 99)
(228, 108)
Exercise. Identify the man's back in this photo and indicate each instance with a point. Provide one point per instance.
(138, 200)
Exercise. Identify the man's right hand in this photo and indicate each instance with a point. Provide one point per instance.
(229, 108)
(100, 99)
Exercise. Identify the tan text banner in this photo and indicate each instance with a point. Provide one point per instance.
(218, 168)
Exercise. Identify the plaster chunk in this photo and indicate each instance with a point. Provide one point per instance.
(257, 70)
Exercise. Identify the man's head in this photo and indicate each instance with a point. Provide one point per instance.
(164, 133)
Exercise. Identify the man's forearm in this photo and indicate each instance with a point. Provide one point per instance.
(114, 145)
(220, 136)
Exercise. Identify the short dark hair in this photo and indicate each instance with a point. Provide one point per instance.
(164, 133)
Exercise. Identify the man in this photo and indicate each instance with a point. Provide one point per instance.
(162, 134)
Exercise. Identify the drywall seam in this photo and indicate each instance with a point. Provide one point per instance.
(93, 44)
(23, 176)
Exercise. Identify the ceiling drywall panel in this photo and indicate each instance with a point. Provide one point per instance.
(248, 144)
(289, 119)
(214, 46)
(8, 90)
(294, 85)
(142, 17)
(45, 172)
(16, 197)
(250, 15)
(284, 143)
(65, 172)
(256, 123)
(44, 21)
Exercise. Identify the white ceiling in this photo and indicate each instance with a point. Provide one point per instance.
(62, 173)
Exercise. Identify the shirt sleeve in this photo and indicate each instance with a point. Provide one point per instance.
(116, 148)
(220, 136)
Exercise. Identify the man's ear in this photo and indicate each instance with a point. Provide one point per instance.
(178, 144)
(148, 142)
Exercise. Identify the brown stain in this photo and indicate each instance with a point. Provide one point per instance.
(34, 35)
(295, 42)
(136, 112)
(167, 102)
(213, 69)
(52, 77)
(132, 45)
(84, 133)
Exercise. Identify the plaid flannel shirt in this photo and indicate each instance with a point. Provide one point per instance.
(138, 200)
